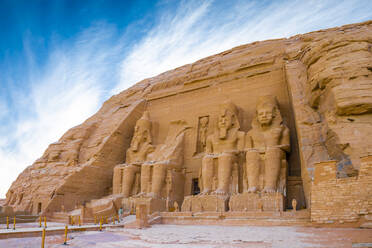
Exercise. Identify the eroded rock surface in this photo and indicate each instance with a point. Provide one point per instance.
(323, 85)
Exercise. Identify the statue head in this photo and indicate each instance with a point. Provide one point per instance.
(227, 119)
(142, 132)
(267, 111)
(204, 121)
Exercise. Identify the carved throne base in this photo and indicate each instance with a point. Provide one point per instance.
(152, 204)
(212, 203)
(257, 202)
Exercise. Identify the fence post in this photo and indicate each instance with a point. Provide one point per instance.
(45, 223)
(95, 220)
(39, 221)
(7, 222)
(66, 229)
(43, 238)
(100, 225)
(14, 223)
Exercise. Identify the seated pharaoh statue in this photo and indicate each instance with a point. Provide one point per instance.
(221, 160)
(162, 176)
(223, 146)
(266, 146)
(127, 176)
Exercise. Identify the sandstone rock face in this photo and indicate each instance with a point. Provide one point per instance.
(322, 82)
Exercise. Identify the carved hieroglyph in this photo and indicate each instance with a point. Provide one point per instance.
(223, 146)
(125, 175)
(202, 134)
(266, 145)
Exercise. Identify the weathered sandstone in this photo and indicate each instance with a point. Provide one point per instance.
(322, 85)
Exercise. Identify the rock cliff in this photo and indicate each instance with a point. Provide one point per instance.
(323, 82)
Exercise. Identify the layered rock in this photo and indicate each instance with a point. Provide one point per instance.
(322, 82)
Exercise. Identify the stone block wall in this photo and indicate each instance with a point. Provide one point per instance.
(341, 200)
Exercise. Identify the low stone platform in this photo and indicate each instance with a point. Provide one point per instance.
(257, 202)
(211, 203)
(267, 218)
(152, 204)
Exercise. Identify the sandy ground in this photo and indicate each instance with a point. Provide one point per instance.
(165, 236)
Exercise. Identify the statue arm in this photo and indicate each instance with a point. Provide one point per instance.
(128, 157)
(285, 140)
(241, 141)
(248, 141)
(209, 145)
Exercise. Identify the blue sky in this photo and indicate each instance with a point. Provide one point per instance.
(60, 59)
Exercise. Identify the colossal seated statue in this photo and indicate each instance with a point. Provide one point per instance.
(168, 156)
(266, 145)
(126, 175)
(162, 176)
(219, 173)
(223, 146)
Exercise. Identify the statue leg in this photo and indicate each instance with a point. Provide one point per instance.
(158, 179)
(207, 174)
(117, 180)
(253, 170)
(129, 174)
(225, 162)
(272, 168)
(145, 178)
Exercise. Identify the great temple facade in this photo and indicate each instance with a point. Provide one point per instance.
(262, 127)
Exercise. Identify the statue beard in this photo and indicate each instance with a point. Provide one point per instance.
(223, 132)
(135, 146)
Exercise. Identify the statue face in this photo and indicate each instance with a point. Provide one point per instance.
(225, 120)
(204, 121)
(265, 115)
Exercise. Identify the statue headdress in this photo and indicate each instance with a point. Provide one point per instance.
(268, 101)
(230, 107)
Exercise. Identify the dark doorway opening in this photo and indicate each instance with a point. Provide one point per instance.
(195, 186)
(39, 208)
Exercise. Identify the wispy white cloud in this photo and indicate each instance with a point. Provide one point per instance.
(201, 28)
(64, 93)
(82, 72)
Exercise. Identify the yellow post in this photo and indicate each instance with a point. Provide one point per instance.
(66, 229)
(100, 225)
(95, 220)
(40, 221)
(14, 222)
(43, 238)
(106, 221)
(118, 218)
(7, 222)
(113, 219)
(79, 221)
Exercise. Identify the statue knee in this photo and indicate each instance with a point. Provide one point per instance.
(274, 152)
(207, 159)
(252, 156)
